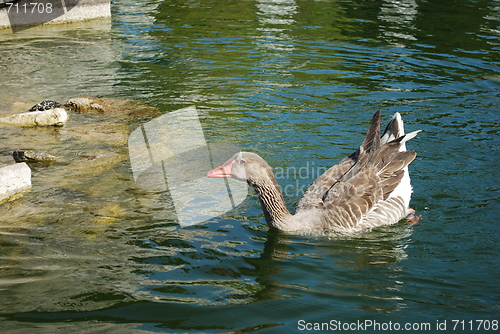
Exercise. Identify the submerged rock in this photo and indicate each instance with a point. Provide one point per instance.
(94, 164)
(84, 105)
(51, 117)
(30, 156)
(108, 212)
(15, 180)
(126, 107)
(109, 133)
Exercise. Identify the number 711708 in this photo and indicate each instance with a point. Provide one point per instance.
(29, 8)
(475, 325)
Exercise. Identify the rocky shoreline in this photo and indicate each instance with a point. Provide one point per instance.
(99, 141)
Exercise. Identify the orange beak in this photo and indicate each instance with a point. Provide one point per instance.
(224, 170)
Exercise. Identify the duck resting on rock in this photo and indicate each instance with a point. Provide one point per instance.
(369, 188)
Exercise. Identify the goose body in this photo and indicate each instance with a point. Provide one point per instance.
(369, 188)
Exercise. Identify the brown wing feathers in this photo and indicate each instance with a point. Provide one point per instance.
(351, 188)
(372, 138)
(376, 172)
(314, 195)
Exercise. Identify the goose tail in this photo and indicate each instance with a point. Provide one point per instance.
(395, 132)
(394, 129)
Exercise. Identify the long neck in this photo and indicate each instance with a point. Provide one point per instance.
(272, 202)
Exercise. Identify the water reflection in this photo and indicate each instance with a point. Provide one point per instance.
(398, 21)
(84, 53)
(277, 12)
(206, 269)
(275, 18)
(275, 46)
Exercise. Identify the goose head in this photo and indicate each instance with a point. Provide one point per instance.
(250, 167)
(244, 166)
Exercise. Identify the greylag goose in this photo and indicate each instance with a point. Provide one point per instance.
(369, 188)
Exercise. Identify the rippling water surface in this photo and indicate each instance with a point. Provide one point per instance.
(87, 250)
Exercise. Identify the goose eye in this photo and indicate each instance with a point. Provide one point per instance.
(242, 162)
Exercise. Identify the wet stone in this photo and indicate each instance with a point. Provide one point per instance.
(46, 105)
(30, 156)
(124, 107)
(50, 117)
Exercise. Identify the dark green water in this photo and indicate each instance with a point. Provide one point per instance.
(296, 82)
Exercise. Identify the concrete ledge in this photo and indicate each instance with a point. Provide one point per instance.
(26, 13)
(14, 181)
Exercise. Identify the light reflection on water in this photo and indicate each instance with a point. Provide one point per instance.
(295, 82)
